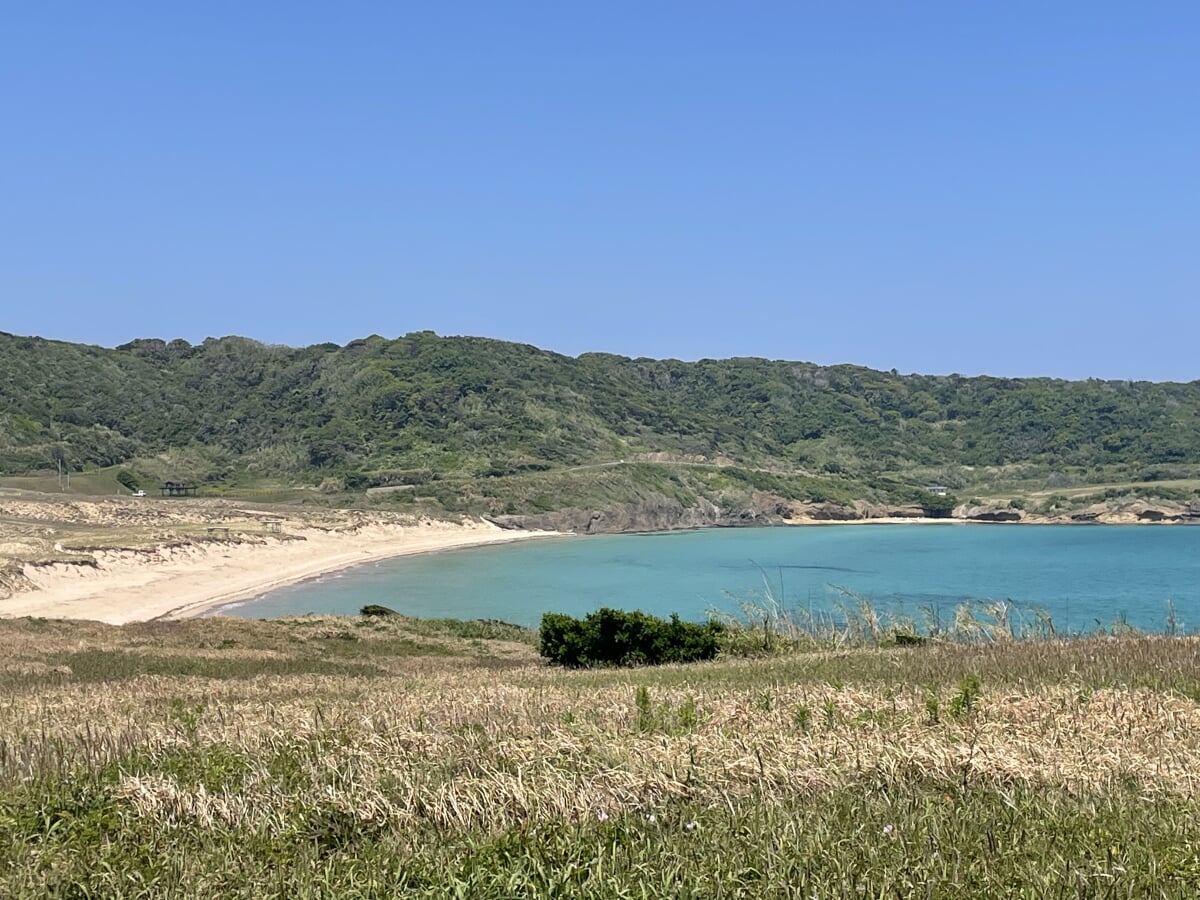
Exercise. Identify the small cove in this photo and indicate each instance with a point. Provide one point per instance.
(1085, 577)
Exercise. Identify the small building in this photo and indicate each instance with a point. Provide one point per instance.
(938, 490)
(178, 489)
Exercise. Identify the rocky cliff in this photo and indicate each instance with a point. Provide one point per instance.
(660, 513)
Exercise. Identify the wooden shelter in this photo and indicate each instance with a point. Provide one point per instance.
(178, 489)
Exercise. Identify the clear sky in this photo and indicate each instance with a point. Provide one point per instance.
(1010, 188)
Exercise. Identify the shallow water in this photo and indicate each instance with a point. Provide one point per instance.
(1083, 576)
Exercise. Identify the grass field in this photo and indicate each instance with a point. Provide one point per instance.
(335, 757)
(102, 483)
(1034, 484)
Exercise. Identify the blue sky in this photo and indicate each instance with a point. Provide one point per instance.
(1005, 188)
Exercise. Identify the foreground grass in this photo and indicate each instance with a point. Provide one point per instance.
(352, 758)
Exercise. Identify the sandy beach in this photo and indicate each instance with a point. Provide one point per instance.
(119, 559)
(181, 581)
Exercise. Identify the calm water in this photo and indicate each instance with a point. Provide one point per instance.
(1080, 575)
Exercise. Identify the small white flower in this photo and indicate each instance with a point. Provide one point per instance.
(888, 829)
(692, 825)
(651, 819)
(602, 816)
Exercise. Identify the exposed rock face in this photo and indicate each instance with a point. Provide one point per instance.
(665, 514)
(999, 515)
(660, 513)
(825, 512)
(651, 514)
(988, 513)
(1125, 512)
(863, 510)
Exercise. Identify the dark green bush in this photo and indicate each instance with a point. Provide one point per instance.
(374, 609)
(615, 637)
(939, 507)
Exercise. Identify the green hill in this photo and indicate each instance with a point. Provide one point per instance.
(473, 424)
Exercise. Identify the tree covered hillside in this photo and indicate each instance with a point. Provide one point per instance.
(376, 411)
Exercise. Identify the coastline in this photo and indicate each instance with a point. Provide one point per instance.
(178, 577)
(804, 521)
(178, 582)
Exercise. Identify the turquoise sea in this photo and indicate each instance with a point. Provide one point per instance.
(1085, 577)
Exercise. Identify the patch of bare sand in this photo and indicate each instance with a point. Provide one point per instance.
(185, 580)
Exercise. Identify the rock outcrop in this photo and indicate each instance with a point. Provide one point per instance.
(657, 513)
(988, 512)
(661, 513)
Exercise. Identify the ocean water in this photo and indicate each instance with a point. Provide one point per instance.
(1085, 577)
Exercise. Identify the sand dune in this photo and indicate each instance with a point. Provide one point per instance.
(180, 581)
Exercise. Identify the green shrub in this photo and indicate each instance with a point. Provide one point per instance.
(374, 609)
(128, 479)
(645, 709)
(964, 701)
(939, 507)
(615, 637)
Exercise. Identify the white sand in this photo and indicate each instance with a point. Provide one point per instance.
(182, 581)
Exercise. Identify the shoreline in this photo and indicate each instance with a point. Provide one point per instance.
(168, 583)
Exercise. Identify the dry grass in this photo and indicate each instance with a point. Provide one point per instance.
(458, 745)
(428, 730)
(482, 756)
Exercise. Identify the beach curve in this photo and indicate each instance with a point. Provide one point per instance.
(175, 582)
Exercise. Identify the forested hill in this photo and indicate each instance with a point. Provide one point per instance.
(376, 408)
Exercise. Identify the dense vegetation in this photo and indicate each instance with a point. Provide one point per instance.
(616, 637)
(406, 413)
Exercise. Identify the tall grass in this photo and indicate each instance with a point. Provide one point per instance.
(994, 768)
(765, 622)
